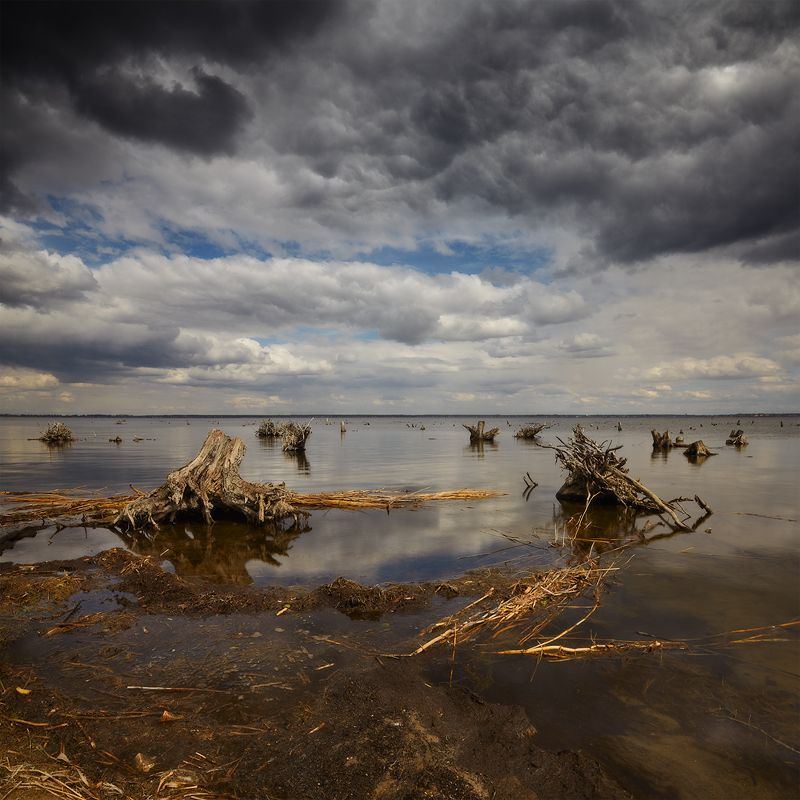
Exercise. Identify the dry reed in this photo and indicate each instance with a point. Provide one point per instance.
(67, 782)
(380, 498)
(52, 505)
(769, 633)
(541, 594)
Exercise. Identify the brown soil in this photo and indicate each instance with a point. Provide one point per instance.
(91, 695)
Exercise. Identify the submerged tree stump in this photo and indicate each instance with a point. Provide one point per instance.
(210, 483)
(57, 433)
(531, 431)
(268, 430)
(477, 433)
(661, 441)
(294, 436)
(597, 474)
(698, 450)
(737, 438)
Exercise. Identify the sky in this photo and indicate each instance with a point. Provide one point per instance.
(400, 207)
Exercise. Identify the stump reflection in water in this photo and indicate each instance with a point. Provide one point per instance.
(218, 552)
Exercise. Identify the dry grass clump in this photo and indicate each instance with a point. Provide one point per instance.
(57, 433)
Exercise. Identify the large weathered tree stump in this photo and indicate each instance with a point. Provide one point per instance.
(209, 484)
(478, 434)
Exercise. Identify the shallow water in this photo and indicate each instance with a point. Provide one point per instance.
(676, 724)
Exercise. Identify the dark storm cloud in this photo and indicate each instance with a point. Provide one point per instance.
(548, 108)
(69, 39)
(204, 122)
(95, 352)
(85, 46)
(640, 127)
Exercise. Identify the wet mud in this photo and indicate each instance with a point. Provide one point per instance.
(127, 680)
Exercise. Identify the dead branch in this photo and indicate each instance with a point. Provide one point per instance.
(542, 590)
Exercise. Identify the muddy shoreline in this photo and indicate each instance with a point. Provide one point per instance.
(123, 677)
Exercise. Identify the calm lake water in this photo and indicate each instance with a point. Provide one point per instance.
(711, 722)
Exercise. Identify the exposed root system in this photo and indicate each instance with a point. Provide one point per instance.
(379, 498)
(268, 430)
(293, 436)
(209, 484)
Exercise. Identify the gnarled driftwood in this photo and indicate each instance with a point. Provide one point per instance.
(478, 434)
(209, 483)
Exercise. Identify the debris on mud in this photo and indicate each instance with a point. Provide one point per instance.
(104, 710)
